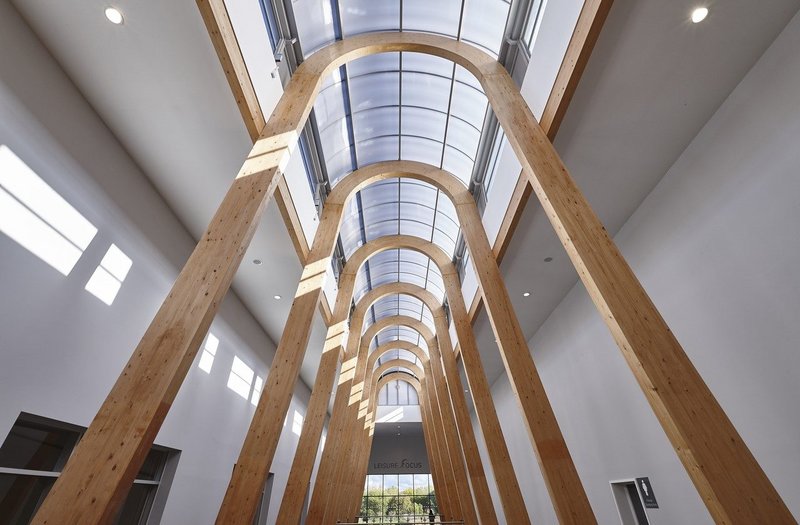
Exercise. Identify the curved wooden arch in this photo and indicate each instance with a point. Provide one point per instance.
(456, 492)
(401, 376)
(395, 345)
(428, 425)
(510, 493)
(396, 363)
(726, 474)
(442, 393)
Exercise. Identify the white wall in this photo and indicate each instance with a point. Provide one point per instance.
(61, 349)
(717, 247)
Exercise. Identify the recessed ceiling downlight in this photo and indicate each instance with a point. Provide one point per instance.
(114, 15)
(526, 294)
(699, 14)
(276, 297)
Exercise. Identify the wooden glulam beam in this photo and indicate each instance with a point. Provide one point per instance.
(223, 37)
(440, 395)
(350, 453)
(510, 494)
(460, 504)
(730, 481)
(584, 37)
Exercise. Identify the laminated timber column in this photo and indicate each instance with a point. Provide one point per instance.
(448, 488)
(294, 494)
(100, 471)
(508, 487)
(333, 444)
(561, 477)
(433, 458)
(450, 429)
(366, 408)
(308, 445)
(459, 494)
(437, 394)
(451, 481)
(729, 479)
(250, 472)
(469, 447)
(450, 508)
(477, 475)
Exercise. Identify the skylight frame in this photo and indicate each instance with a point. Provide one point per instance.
(346, 145)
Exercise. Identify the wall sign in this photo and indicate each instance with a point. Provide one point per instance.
(646, 491)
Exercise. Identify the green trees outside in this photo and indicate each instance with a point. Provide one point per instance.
(390, 505)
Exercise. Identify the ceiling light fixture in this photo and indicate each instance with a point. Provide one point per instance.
(699, 14)
(548, 259)
(526, 294)
(258, 262)
(114, 15)
(276, 297)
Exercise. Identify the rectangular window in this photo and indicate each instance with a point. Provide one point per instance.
(36, 450)
(532, 24)
(498, 146)
(271, 23)
(406, 498)
(38, 218)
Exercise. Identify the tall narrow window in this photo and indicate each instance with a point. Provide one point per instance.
(532, 24)
(271, 23)
(38, 218)
(494, 160)
(107, 279)
(209, 352)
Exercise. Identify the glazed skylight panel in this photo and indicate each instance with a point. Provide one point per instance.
(402, 304)
(480, 22)
(397, 353)
(365, 16)
(483, 24)
(400, 106)
(398, 333)
(399, 265)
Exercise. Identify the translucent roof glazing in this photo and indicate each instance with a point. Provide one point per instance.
(479, 22)
(400, 106)
(397, 353)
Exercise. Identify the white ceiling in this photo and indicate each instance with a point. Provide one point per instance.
(652, 83)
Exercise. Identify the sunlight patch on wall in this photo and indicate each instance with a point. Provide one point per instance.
(38, 218)
(209, 352)
(257, 387)
(107, 278)
(241, 378)
(297, 423)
